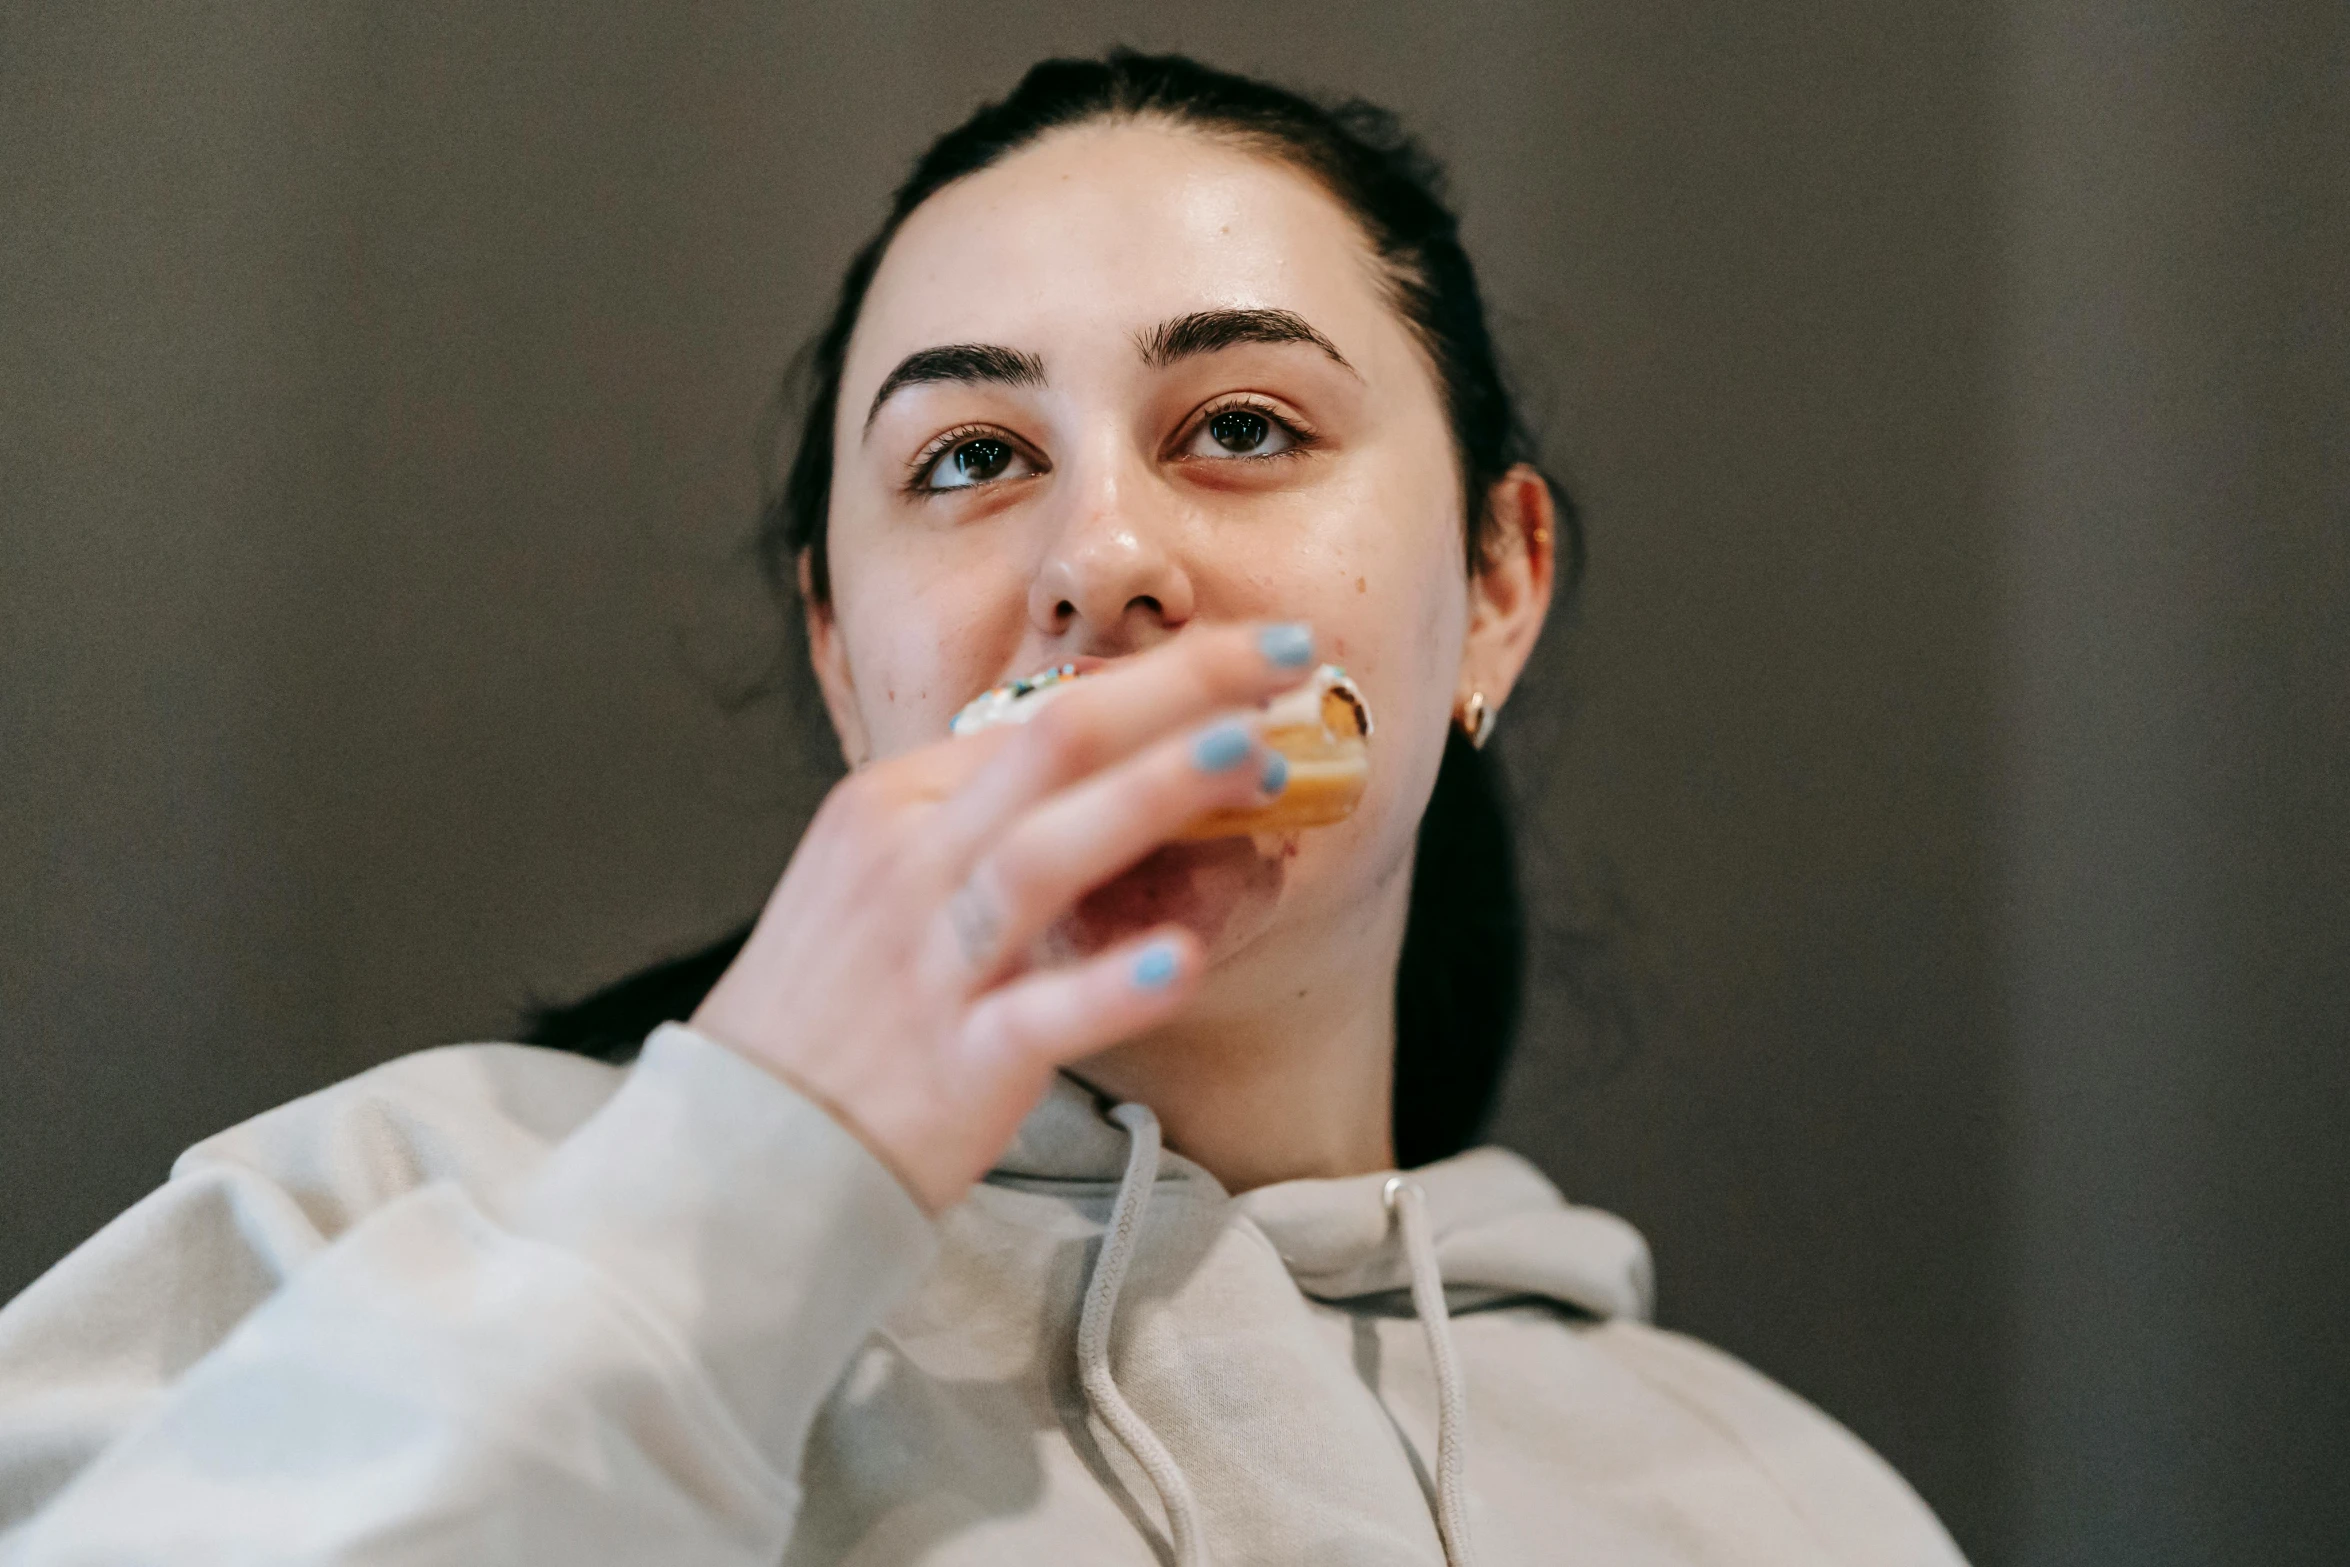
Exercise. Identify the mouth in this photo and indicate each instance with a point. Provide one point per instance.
(1014, 699)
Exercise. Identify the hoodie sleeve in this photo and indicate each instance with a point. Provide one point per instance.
(615, 1356)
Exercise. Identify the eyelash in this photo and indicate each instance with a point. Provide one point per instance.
(1302, 439)
(935, 450)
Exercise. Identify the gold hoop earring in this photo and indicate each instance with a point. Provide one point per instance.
(1476, 719)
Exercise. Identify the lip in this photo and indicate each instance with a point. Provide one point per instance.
(1082, 663)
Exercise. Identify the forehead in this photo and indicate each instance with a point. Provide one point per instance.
(1093, 234)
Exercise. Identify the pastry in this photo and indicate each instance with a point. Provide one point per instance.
(1320, 727)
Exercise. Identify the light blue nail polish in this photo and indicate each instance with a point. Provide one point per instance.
(1276, 775)
(1287, 646)
(1155, 968)
(1222, 748)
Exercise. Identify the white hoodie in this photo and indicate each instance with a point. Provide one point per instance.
(495, 1303)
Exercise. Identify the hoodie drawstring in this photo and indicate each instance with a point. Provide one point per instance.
(1093, 1337)
(1408, 1203)
(1410, 1206)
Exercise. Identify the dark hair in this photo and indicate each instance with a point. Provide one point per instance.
(1462, 975)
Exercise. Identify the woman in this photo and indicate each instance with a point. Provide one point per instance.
(1022, 1188)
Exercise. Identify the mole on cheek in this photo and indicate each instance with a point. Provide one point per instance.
(1362, 585)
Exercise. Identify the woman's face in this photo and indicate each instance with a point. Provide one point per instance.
(1126, 380)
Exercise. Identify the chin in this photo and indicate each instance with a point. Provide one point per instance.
(1223, 891)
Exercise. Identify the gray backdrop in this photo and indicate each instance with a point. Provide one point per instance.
(1958, 714)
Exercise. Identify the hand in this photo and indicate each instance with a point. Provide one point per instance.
(886, 976)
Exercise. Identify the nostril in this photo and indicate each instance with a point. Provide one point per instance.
(1064, 610)
(1146, 603)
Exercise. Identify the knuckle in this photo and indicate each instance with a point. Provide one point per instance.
(1012, 1039)
(1239, 663)
(1016, 874)
(1208, 672)
(1025, 1028)
(1232, 679)
(862, 820)
(836, 819)
(982, 1033)
(994, 1027)
(855, 804)
(1175, 787)
(1231, 662)
(1060, 740)
(977, 925)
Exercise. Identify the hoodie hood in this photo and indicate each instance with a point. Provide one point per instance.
(1481, 1228)
(1501, 1229)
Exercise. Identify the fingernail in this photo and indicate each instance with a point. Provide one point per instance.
(1289, 645)
(1222, 748)
(1154, 968)
(1276, 776)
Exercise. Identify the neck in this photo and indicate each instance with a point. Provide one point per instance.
(1295, 1087)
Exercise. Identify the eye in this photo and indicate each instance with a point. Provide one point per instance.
(971, 460)
(1242, 432)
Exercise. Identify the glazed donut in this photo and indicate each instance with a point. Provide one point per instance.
(1321, 727)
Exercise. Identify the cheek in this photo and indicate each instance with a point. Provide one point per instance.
(1395, 615)
(1396, 619)
(1410, 675)
(1392, 604)
(918, 649)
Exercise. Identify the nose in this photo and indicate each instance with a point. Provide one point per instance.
(1112, 580)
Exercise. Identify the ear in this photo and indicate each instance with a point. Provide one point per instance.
(1509, 593)
(833, 676)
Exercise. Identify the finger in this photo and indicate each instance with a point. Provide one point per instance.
(1087, 833)
(1056, 1016)
(1106, 717)
(937, 770)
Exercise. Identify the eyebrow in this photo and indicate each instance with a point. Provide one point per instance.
(1182, 337)
(1207, 331)
(971, 363)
